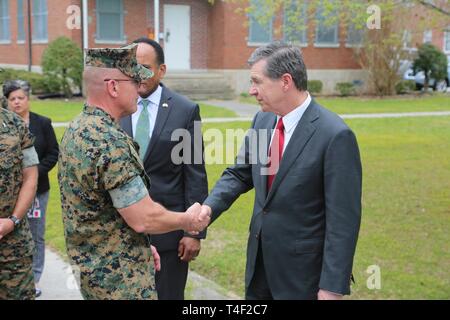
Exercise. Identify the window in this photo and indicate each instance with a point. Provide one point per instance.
(447, 40)
(20, 22)
(4, 21)
(354, 35)
(326, 33)
(295, 24)
(427, 36)
(110, 21)
(407, 39)
(40, 25)
(259, 32)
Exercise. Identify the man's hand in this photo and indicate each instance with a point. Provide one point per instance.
(197, 219)
(188, 249)
(327, 295)
(156, 258)
(206, 210)
(6, 226)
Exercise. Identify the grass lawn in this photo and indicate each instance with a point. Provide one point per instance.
(406, 213)
(62, 111)
(437, 102)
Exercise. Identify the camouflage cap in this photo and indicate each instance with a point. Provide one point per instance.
(123, 59)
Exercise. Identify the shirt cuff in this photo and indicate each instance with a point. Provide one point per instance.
(30, 157)
(128, 194)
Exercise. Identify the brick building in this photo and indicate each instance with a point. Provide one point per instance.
(201, 39)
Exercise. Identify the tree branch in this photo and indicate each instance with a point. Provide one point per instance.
(433, 7)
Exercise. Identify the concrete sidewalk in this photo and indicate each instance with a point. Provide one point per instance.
(58, 283)
(343, 116)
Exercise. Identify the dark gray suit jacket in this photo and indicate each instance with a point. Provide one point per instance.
(175, 186)
(308, 223)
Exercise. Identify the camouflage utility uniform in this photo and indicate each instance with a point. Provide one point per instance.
(99, 172)
(16, 249)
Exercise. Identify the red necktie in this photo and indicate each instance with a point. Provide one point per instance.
(275, 152)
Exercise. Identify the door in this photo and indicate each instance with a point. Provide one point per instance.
(177, 36)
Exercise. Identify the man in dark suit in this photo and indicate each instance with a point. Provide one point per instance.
(174, 185)
(307, 207)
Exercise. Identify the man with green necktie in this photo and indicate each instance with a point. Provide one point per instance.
(160, 112)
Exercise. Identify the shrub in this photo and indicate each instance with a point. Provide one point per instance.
(39, 83)
(405, 86)
(433, 63)
(345, 88)
(315, 86)
(62, 61)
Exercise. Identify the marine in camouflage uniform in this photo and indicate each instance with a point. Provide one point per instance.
(99, 172)
(16, 248)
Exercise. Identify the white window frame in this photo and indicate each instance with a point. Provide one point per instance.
(123, 38)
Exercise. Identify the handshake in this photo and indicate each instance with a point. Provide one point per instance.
(196, 218)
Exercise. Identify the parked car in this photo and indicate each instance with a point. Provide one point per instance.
(419, 79)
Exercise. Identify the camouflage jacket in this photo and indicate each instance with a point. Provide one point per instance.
(97, 156)
(14, 139)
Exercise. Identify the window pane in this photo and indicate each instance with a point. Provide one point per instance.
(109, 26)
(4, 20)
(111, 6)
(354, 35)
(295, 23)
(325, 33)
(20, 21)
(40, 27)
(110, 20)
(259, 33)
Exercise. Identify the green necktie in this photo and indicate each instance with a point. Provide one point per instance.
(142, 136)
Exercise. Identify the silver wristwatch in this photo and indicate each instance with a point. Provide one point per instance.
(15, 220)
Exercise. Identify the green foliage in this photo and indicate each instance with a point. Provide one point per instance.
(63, 62)
(405, 86)
(39, 83)
(432, 62)
(315, 86)
(345, 88)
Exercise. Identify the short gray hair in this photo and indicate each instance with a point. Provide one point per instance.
(13, 85)
(282, 58)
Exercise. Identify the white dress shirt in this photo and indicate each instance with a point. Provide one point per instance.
(291, 120)
(153, 106)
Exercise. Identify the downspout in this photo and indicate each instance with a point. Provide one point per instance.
(85, 26)
(30, 37)
(156, 19)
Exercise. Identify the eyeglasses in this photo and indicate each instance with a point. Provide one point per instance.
(118, 80)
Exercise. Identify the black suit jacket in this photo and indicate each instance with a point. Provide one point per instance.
(308, 223)
(46, 147)
(174, 185)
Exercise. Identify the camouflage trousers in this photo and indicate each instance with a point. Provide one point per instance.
(17, 280)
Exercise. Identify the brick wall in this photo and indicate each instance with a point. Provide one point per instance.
(17, 53)
(229, 35)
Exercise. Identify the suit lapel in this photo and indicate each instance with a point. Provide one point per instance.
(300, 137)
(161, 118)
(126, 125)
(269, 127)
